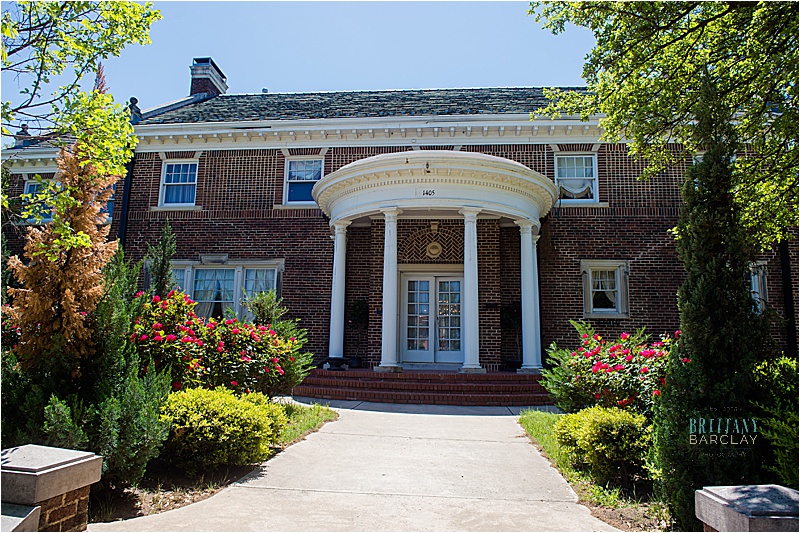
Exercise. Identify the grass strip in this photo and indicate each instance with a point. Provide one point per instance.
(304, 420)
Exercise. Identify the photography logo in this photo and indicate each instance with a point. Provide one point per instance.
(723, 436)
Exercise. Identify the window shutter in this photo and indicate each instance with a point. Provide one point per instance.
(623, 290)
(587, 292)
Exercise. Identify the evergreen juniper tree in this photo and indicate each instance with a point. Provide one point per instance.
(711, 374)
(160, 257)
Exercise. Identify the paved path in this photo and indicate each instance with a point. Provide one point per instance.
(394, 468)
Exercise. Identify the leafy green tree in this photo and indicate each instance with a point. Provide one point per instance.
(723, 337)
(66, 40)
(644, 76)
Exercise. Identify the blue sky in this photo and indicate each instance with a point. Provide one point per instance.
(338, 46)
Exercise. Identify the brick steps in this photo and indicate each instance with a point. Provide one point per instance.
(437, 388)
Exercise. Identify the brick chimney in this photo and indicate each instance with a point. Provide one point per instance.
(207, 78)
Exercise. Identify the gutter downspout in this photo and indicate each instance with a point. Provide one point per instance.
(126, 198)
(788, 300)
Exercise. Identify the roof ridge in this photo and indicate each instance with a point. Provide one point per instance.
(442, 89)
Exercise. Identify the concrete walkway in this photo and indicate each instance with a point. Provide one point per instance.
(384, 467)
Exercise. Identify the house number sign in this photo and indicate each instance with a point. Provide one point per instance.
(422, 192)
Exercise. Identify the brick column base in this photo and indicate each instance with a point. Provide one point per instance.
(67, 512)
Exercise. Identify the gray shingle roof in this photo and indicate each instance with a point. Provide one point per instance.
(292, 106)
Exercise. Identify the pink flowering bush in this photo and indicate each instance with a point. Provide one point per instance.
(626, 372)
(239, 356)
(169, 332)
(244, 357)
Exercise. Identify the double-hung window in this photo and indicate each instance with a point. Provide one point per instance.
(605, 289)
(213, 290)
(178, 183)
(40, 213)
(301, 175)
(576, 178)
(217, 287)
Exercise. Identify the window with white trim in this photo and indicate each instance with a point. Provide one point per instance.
(300, 177)
(576, 177)
(758, 284)
(42, 214)
(178, 183)
(605, 288)
(217, 287)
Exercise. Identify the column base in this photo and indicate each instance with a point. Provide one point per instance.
(388, 368)
(471, 370)
(529, 370)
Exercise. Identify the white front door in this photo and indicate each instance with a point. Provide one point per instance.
(431, 319)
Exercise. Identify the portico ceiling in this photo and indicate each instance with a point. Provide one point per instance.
(423, 181)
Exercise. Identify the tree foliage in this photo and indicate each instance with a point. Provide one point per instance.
(644, 77)
(43, 41)
(62, 279)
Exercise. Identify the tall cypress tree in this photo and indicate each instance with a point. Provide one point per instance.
(710, 375)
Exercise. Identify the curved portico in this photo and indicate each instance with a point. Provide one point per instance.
(437, 184)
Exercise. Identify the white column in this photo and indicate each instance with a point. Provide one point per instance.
(389, 314)
(469, 306)
(336, 346)
(529, 285)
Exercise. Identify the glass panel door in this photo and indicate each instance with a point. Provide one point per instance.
(431, 319)
(417, 334)
(448, 320)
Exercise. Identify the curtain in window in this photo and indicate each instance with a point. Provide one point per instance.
(213, 290)
(258, 280)
(576, 176)
(604, 289)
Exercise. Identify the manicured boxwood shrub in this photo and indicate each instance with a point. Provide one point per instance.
(610, 443)
(210, 428)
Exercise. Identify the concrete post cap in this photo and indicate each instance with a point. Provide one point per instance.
(33, 473)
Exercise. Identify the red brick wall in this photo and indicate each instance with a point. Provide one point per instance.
(237, 190)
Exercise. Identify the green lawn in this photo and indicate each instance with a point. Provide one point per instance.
(304, 420)
(639, 515)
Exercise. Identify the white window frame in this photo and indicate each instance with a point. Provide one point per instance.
(622, 271)
(596, 185)
(758, 284)
(162, 187)
(30, 180)
(286, 181)
(238, 267)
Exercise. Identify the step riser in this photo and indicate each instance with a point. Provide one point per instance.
(423, 398)
(497, 388)
(425, 387)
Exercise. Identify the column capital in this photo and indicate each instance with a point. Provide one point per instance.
(470, 213)
(536, 239)
(391, 212)
(525, 226)
(340, 226)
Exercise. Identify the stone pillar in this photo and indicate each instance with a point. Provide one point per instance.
(389, 361)
(336, 346)
(469, 307)
(529, 285)
(747, 508)
(53, 481)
